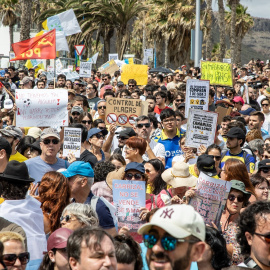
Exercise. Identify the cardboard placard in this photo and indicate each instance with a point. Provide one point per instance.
(136, 72)
(222, 112)
(72, 141)
(85, 69)
(109, 68)
(217, 73)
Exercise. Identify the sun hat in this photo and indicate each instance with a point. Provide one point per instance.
(115, 175)
(239, 185)
(179, 176)
(94, 131)
(34, 132)
(58, 239)
(179, 221)
(49, 132)
(79, 168)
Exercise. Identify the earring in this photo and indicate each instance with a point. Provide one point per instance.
(53, 260)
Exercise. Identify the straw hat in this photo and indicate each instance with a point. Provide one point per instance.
(179, 176)
(115, 175)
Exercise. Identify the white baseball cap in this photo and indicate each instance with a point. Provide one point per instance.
(8, 104)
(180, 221)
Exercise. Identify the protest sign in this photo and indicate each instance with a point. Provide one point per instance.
(222, 112)
(217, 73)
(50, 68)
(148, 56)
(70, 68)
(210, 198)
(85, 69)
(136, 72)
(197, 95)
(72, 141)
(59, 65)
(227, 60)
(42, 108)
(201, 128)
(113, 56)
(128, 198)
(122, 111)
(109, 68)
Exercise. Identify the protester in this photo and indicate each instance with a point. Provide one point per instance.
(5, 152)
(135, 149)
(117, 160)
(261, 186)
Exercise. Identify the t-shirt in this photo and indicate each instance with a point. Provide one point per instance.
(87, 156)
(158, 110)
(92, 102)
(18, 156)
(38, 167)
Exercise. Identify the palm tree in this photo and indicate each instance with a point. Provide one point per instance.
(208, 25)
(8, 16)
(221, 22)
(26, 18)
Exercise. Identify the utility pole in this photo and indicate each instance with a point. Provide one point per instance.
(197, 34)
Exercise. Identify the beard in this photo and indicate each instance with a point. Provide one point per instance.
(150, 109)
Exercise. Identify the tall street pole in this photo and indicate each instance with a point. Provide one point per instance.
(197, 34)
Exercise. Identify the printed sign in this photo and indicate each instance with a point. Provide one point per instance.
(70, 68)
(109, 68)
(210, 198)
(197, 95)
(72, 141)
(85, 69)
(136, 72)
(42, 108)
(201, 128)
(217, 73)
(113, 56)
(11, 55)
(50, 68)
(148, 56)
(59, 66)
(227, 60)
(122, 111)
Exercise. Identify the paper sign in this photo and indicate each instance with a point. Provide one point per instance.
(113, 56)
(85, 69)
(72, 141)
(42, 108)
(197, 95)
(148, 56)
(210, 198)
(217, 73)
(122, 111)
(59, 66)
(11, 55)
(70, 68)
(222, 112)
(109, 68)
(136, 72)
(128, 198)
(201, 128)
(227, 60)
(50, 68)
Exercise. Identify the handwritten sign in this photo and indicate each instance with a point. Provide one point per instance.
(136, 72)
(109, 68)
(201, 128)
(197, 95)
(85, 69)
(217, 73)
(128, 198)
(42, 108)
(210, 198)
(122, 111)
(72, 141)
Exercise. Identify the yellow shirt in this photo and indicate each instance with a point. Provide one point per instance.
(18, 156)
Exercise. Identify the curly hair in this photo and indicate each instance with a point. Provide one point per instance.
(54, 194)
(248, 222)
(14, 191)
(102, 169)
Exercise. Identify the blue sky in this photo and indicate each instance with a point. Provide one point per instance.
(256, 8)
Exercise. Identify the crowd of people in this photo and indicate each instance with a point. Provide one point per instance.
(55, 210)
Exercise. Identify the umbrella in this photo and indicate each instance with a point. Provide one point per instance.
(160, 69)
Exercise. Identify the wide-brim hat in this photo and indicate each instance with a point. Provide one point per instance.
(179, 176)
(240, 186)
(115, 175)
(16, 171)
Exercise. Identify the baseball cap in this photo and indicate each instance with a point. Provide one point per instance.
(248, 111)
(34, 132)
(120, 84)
(12, 131)
(58, 239)
(235, 132)
(180, 221)
(8, 104)
(264, 164)
(49, 132)
(206, 164)
(26, 80)
(77, 109)
(108, 87)
(135, 166)
(94, 131)
(182, 105)
(79, 168)
(238, 99)
(128, 132)
(77, 68)
(72, 91)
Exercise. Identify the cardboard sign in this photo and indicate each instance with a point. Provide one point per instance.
(109, 68)
(217, 73)
(210, 198)
(201, 128)
(113, 56)
(85, 69)
(122, 111)
(222, 112)
(42, 108)
(136, 72)
(197, 95)
(72, 141)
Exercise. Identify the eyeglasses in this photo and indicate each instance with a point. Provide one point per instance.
(10, 259)
(265, 236)
(265, 104)
(66, 218)
(180, 100)
(89, 88)
(102, 107)
(48, 141)
(137, 176)
(168, 120)
(217, 158)
(76, 113)
(265, 170)
(131, 85)
(147, 125)
(167, 242)
(99, 136)
(86, 121)
(231, 197)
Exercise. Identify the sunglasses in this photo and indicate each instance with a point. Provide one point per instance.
(265, 104)
(229, 94)
(10, 259)
(102, 128)
(89, 88)
(137, 176)
(99, 136)
(104, 80)
(265, 170)
(266, 237)
(217, 158)
(265, 156)
(147, 125)
(231, 197)
(48, 141)
(86, 121)
(102, 107)
(167, 242)
(76, 113)
(179, 100)
(131, 85)
(66, 218)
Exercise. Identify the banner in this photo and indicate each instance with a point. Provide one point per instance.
(109, 68)
(210, 198)
(85, 69)
(217, 73)
(113, 56)
(136, 72)
(40, 47)
(201, 128)
(42, 108)
(122, 111)
(197, 95)
(72, 141)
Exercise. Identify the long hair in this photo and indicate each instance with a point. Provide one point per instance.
(54, 194)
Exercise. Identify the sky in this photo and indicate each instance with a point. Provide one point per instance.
(256, 8)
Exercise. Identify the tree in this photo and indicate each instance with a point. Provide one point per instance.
(208, 25)
(26, 18)
(221, 22)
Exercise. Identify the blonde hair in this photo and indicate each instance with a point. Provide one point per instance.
(7, 236)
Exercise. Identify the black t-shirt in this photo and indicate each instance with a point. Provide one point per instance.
(87, 156)
(15, 79)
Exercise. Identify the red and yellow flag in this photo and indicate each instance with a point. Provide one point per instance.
(40, 47)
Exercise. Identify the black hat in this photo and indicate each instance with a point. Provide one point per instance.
(36, 146)
(235, 132)
(264, 164)
(127, 132)
(16, 172)
(206, 164)
(182, 105)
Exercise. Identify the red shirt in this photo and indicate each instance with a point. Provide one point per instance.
(158, 110)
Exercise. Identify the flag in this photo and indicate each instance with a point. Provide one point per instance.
(40, 47)
(65, 21)
(93, 59)
(129, 61)
(35, 64)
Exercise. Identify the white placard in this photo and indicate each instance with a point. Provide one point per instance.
(227, 60)
(72, 141)
(201, 128)
(42, 108)
(50, 69)
(70, 68)
(59, 66)
(85, 69)
(197, 95)
(148, 56)
(11, 55)
(113, 56)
